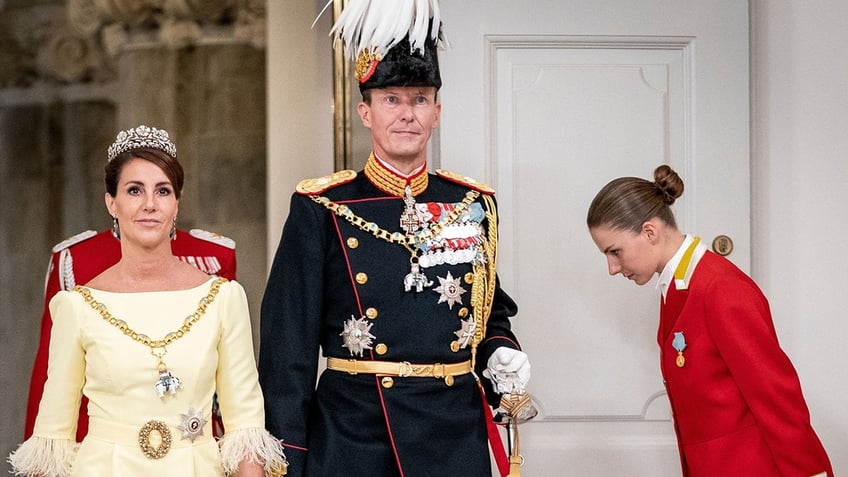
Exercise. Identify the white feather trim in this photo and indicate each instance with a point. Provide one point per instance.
(44, 457)
(251, 445)
(378, 25)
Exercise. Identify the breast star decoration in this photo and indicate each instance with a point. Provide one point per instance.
(357, 336)
(450, 291)
(465, 333)
(192, 425)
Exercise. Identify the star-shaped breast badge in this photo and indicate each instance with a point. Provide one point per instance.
(450, 291)
(192, 425)
(357, 336)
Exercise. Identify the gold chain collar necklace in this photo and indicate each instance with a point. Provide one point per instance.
(166, 382)
(411, 241)
(415, 279)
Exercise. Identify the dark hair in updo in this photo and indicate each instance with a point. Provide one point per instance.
(169, 165)
(628, 202)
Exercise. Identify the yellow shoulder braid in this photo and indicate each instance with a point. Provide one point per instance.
(321, 184)
(466, 181)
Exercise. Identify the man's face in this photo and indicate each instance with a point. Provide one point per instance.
(401, 120)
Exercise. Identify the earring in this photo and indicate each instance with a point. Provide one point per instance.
(174, 229)
(116, 231)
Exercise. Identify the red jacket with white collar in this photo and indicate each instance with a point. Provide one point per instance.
(737, 402)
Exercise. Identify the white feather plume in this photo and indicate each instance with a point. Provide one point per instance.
(378, 25)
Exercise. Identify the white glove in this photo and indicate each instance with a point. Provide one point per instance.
(509, 370)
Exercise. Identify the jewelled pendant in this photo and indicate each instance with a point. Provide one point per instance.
(415, 279)
(167, 383)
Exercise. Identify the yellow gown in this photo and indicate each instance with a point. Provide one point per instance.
(117, 374)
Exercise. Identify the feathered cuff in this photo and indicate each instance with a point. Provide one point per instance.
(44, 457)
(252, 445)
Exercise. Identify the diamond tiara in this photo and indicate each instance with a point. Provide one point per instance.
(142, 136)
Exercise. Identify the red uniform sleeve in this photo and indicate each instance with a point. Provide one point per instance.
(742, 328)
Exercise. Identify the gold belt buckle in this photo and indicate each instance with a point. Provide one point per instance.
(405, 369)
(147, 434)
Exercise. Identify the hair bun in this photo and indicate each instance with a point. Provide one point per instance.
(668, 183)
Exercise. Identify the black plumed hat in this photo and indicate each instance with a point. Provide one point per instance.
(393, 42)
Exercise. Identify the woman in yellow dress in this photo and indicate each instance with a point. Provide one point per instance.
(149, 341)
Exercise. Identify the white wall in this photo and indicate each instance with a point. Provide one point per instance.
(800, 190)
(799, 173)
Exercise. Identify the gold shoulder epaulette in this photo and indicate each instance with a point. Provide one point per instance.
(321, 184)
(466, 181)
(213, 237)
(74, 240)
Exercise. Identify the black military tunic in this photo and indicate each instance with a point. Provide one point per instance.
(336, 285)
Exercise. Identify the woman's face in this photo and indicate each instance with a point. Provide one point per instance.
(145, 203)
(629, 253)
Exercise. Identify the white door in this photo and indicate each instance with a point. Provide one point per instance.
(549, 100)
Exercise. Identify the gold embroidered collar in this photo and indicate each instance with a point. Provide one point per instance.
(391, 183)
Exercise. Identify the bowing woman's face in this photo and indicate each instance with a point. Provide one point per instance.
(629, 253)
(145, 203)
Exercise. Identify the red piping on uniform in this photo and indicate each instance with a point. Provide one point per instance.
(292, 446)
(505, 338)
(371, 199)
(347, 262)
(370, 353)
(388, 425)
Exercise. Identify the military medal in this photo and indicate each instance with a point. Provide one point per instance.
(192, 425)
(679, 343)
(464, 334)
(410, 223)
(416, 234)
(409, 220)
(357, 336)
(450, 290)
(415, 279)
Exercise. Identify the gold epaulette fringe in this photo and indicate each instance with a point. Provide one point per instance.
(466, 181)
(321, 184)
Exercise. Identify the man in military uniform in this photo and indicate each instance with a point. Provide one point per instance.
(391, 272)
(82, 257)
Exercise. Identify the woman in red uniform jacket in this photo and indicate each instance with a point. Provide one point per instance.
(735, 396)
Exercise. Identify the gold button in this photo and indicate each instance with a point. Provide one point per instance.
(381, 348)
(371, 313)
(361, 278)
(352, 242)
(387, 382)
(469, 278)
(463, 312)
(449, 380)
(454, 346)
